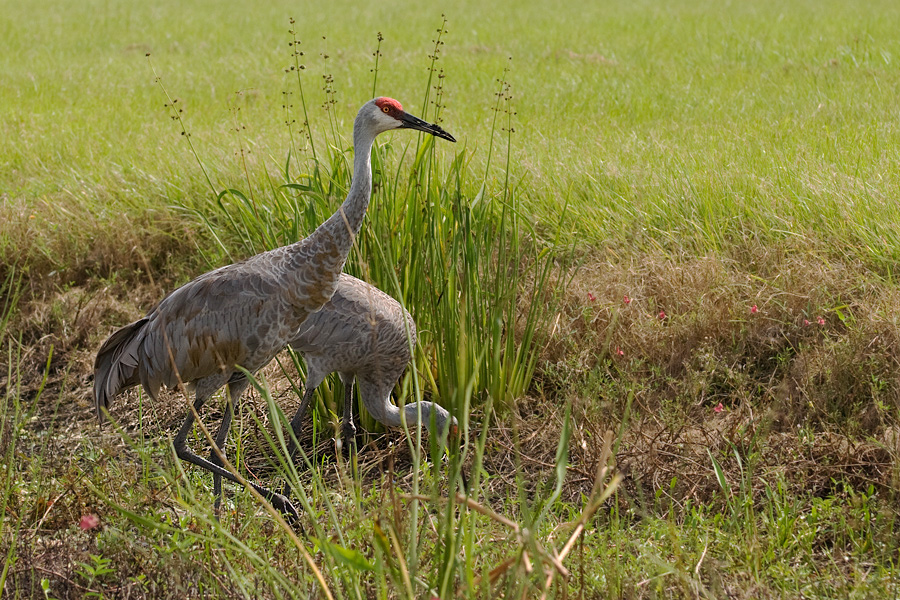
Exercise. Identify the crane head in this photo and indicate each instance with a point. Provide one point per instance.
(389, 114)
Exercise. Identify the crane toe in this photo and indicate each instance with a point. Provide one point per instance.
(284, 506)
(348, 432)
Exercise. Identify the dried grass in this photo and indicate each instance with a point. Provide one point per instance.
(814, 404)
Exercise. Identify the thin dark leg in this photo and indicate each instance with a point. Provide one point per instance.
(234, 392)
(296, 426)
(297, 421)
(186, 454)
(221, 436)
(348, 429)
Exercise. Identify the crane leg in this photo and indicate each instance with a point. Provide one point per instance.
(221, 436)
(183, 452)
(235, 390)
(297, 421)
(348, 429)
(314, 376)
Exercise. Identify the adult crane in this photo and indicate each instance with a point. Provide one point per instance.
(365, 334)
(243, 314)
(362, 334)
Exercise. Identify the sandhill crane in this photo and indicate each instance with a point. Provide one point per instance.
(243, 314)
(360, 333)
(365, 334)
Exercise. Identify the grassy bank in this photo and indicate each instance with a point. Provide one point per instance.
(673, 224)
(696, 125)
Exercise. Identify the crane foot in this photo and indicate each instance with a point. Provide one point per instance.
(348, 433)
(284, 506)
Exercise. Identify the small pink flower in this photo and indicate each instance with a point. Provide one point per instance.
(719, 408)
(619, 351)
(661, 315)
(89, 521)
(753, 310)
(806, 322)
(591, 297)
(820, 320)
(626, 299)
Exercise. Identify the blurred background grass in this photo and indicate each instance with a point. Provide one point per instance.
(698, 122)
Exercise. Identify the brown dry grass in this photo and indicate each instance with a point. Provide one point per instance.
(64, 243)
(815, 404)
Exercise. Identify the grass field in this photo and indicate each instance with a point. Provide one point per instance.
(655, 279)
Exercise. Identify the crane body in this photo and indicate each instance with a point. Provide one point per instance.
(362, 334)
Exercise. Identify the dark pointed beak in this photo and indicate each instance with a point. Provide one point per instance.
(410, 122)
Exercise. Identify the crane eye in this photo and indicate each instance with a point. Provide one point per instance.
(386, 109)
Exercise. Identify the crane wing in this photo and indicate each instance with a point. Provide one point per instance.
(231, 316)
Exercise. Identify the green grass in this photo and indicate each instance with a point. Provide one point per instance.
(700, 160)
(758, 119)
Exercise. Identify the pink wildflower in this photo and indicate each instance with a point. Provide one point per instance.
(661, 315)
(89, 521)
(719, 408)
(806, 322)
(820, 320)
(753, 310)
(591, 297)
(626, 299)
(619, 351)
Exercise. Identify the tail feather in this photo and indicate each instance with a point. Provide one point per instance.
(117, 365)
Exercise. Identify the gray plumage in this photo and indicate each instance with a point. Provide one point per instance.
(362, 334)
(365, 334)
(243, 314)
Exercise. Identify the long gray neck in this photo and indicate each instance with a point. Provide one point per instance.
(391, 416)
(343, 226)
(315, 263)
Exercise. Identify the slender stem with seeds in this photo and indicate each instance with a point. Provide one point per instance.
(176, 115)
(297, 68)
(375, 69)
